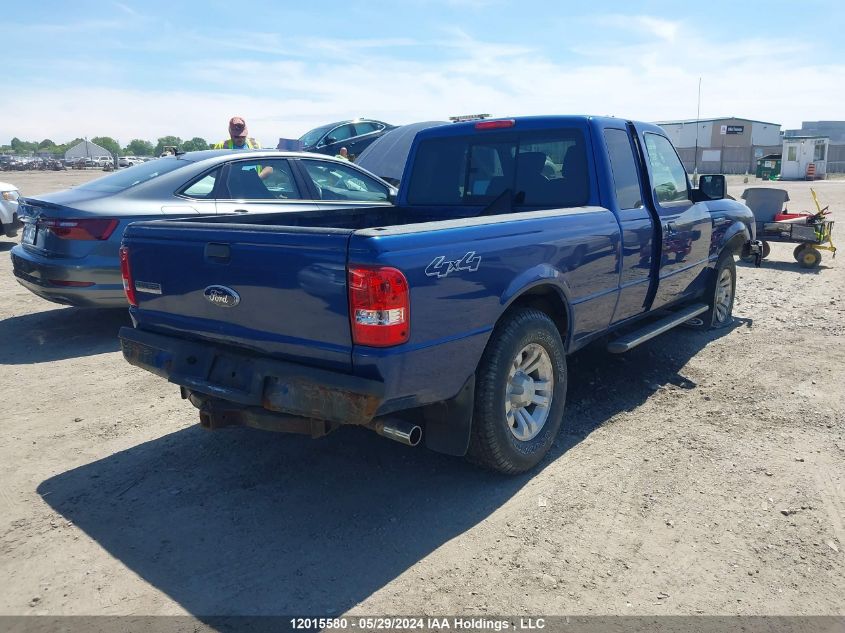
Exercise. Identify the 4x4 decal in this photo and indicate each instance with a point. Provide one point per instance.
(439, 267)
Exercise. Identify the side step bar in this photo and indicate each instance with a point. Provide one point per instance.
(630, 341)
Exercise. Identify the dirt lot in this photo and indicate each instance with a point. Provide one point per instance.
(700, 473)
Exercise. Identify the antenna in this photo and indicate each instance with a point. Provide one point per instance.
(697, 125)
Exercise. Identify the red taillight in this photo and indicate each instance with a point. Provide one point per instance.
(126, 273)
(79, 228)
(379, 306)
(494, 125)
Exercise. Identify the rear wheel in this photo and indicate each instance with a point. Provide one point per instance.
(809, 257)
(797, 252)
(766, 249)
(520, 393)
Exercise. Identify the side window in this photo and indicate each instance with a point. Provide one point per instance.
(202, 188)
(365, 127)
(260, 179)
(669, 178)
(340, 134)
(624, 168)
(339, 182)
(791, 153)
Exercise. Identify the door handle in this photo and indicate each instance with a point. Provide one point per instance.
(241, 210)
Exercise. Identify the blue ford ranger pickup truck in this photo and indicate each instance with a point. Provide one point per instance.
(449, 316)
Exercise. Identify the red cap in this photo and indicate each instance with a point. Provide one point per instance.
(237, 126)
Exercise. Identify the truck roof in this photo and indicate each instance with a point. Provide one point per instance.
(542, 122)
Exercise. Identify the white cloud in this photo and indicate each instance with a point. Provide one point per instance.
(651, 80)
(645, 25)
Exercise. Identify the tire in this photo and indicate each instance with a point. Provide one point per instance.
(767, 249)
(810, 257)
(797, 251)
(506, 397)
(720, 293)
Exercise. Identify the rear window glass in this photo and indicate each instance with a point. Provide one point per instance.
(131, 176)
(546, 169)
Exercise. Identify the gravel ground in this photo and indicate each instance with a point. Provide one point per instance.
(702, 473)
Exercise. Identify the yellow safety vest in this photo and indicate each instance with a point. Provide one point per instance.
(228, 144)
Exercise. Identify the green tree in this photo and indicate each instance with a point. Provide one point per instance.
(46, 144)
(167, 140)
(23, 147)
(139, 147)
(196, 144)
(107, 142)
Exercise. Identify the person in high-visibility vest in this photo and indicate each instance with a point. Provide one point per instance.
(238, 138)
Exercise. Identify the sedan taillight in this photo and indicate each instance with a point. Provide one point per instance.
(79, 228)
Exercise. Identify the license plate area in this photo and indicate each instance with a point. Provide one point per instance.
(232, 373)
(30, 233)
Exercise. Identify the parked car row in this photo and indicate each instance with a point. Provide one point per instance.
(25, 163)
(298, 292)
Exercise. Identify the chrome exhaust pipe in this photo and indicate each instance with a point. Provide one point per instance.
(398, 430)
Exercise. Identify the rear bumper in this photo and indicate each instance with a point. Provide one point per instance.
(251, 381)
(44, 277)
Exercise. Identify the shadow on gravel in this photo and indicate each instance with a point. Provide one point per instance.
(242, 522)
(42, 337)
(6, 246)
(787, 266)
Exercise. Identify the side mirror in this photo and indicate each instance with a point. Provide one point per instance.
(391, 196)
(713, 186)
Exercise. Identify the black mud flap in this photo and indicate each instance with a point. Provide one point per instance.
(448, 423)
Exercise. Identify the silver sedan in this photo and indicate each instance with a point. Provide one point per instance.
(69, 248)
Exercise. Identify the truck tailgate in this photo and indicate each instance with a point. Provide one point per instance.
(279, 291)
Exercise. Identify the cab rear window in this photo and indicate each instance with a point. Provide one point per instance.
(537, 170)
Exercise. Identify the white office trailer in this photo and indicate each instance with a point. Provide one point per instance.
(804, 157)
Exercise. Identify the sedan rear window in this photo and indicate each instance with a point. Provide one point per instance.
(131, 176)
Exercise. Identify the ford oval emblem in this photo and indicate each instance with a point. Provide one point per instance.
(222, 296)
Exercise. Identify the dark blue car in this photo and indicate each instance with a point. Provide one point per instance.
(354, 135)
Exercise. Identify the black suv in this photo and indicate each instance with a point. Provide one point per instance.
(353, 135)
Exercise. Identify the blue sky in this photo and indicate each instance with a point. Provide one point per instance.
(147, 69)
